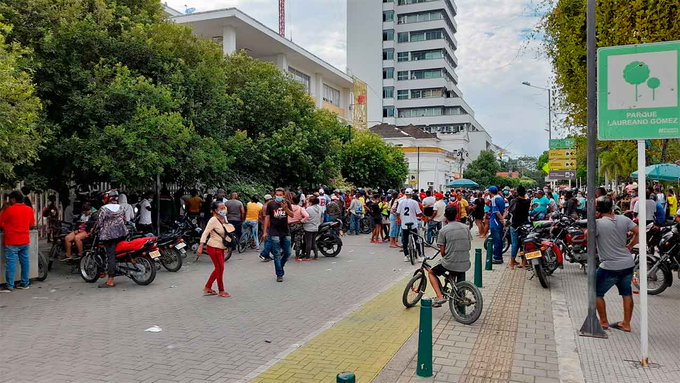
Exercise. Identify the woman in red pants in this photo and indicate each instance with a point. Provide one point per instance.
(213, 237)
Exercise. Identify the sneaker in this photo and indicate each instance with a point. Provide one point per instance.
(6, 290)
(497, 261)
(265, 259)
(406, 259)
(23, 287)
(279, 279)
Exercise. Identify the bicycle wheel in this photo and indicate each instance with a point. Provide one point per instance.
(243, 244)
(466, 303)
(414, 290)
(412, 250)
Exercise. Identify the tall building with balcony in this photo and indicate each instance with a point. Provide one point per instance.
(405, 50)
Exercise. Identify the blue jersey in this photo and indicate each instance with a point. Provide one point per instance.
(497, 206)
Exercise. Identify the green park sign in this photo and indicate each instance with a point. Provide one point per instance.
(638, 95)
(562, 144)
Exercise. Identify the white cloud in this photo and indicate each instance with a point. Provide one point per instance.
(494, 57)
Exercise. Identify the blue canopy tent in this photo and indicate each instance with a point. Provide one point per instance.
(662, 172)
(464, 183)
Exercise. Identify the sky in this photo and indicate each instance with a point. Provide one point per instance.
(495, 56)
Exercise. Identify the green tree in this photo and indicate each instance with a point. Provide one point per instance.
(368, 161)
(653, 84)
(20, 135)
(483, 170)
(636, 73)
(543, 159)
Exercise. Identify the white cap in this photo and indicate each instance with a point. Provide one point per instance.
(321, 191)
(267, 197)
(408, 191)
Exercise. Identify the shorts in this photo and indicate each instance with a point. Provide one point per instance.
(606, 279)
(440, 271)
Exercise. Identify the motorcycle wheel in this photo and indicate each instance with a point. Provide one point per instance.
(329, 246)
(43, 267)
(227, 254)
(171, 259)
(144, 270)
(89, 269)
(415, 288)
(54, 254)
(467, 304)
(656, 283)
(365, 226)
(539, 270)
(242, 244)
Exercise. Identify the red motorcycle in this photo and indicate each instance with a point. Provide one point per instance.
(542, 253)
(135, 259)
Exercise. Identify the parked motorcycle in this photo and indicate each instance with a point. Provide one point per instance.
(660, 268)
(172, 249)
(134, 259)
(191, 232)
(542, 253)
(328, 240)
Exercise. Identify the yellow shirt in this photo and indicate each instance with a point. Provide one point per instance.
(463, 206)
(253, 211)
(672, 205)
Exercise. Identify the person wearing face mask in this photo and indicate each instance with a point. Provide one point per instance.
(276, 228)
(213, 237)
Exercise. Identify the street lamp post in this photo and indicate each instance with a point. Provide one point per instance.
(461, 154)
(549, 107)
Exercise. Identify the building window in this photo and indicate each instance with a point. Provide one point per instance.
(420, 112)
(388, 92)
(402, 56)
(388, 1)
(402, 75)
(331, 95)
(427, 93)
(388, 111)
(435, 34)
(388, 54)
(402, 37)
(426, 74)
(388, 34)
(402, 95)
(420, 17)
(300, 77)
(427, 55)
(388, 73)
(388, 16)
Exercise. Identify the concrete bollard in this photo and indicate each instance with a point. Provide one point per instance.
(489, 254)
(425, 339)
(478, 268)
(345, 377)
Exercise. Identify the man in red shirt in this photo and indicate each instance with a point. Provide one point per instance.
(16, 221)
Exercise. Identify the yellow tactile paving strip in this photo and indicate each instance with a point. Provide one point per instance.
(362, 343)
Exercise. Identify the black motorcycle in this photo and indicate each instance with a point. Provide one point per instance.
(328, 238)
(172, 249)
(660, 268)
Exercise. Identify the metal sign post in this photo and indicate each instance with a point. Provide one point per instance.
(639, 99)
(642, 217)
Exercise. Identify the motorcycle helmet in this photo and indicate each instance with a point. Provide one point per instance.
(110, 196)
(604, 205)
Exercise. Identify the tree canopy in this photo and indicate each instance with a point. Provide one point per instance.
(369, 161)
(128, 96)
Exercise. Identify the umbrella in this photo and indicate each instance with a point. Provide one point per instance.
(464, 183)
(662, 172)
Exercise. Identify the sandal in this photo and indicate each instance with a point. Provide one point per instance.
(617, 326)
(224, 294)
(105, 285)
(209, 292)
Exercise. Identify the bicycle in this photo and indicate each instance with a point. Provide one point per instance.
(247, 240)
(414, 245)
(465, 299)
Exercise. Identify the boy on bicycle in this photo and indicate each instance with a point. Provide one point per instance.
(455, 242)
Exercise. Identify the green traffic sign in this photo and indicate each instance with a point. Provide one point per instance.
(566, 143)
(638, 95)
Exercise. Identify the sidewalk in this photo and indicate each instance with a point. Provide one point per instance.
(513, 341)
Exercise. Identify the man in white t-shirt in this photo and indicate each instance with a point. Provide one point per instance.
(437, 218)
(408, 212)
(145, 214)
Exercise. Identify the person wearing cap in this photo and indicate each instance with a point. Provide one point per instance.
(497, 224)
(110, 228)
(408, 212)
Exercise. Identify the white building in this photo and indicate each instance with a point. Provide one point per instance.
(430, 166)
(329, 87)
(405, 50)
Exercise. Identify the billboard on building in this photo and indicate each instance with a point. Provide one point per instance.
(360, 107)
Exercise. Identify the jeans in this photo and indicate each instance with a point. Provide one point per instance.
(237, 229)
(405, 234)
(354, 224)
(110, 247)
(267, 248)
(12, 253)
(394, 227)
(515, 242)
(497, 236)
(430, 230)
(310, 244)
(280, 245)
(253, 229)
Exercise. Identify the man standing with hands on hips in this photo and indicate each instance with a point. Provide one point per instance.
(496, 224)
(16, 222)
(276, 228)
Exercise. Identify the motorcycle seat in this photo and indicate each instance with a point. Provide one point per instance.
(542, 224)
(326, 225)
(134, 245)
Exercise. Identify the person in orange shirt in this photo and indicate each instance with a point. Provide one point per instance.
(193, 204)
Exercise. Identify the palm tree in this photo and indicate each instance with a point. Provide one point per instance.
(612, 164)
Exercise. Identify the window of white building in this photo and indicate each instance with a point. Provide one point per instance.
(300, 77)
(331, 95)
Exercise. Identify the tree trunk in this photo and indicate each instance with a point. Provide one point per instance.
(664, 150)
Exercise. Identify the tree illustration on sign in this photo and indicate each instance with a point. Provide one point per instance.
(653, 83)
(636, 73)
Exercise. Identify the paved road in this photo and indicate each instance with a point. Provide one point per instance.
(65, 330)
